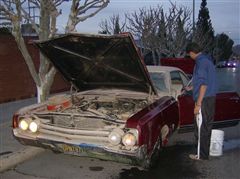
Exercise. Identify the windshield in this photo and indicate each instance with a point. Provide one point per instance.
(158, 80)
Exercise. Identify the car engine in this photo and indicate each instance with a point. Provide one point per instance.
(91, 111)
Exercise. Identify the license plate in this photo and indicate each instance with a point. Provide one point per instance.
(72, 149)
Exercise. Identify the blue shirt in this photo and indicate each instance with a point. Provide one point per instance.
(204, 73)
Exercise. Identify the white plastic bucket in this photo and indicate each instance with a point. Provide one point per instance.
(216, 144)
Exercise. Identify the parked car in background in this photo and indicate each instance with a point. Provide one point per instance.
(120, 109)
(228, 64)
(185, 64)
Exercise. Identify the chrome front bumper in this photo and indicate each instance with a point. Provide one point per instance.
(98, 147)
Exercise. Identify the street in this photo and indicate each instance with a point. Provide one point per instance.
(173, 162)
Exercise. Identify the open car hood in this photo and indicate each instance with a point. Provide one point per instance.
(98, 61)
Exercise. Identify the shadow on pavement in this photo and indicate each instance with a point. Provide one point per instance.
(173, 163)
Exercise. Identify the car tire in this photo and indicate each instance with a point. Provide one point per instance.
(152, 160)
(156, 153)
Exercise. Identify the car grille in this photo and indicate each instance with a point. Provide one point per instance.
(80, 128)
(93, 136)
(78, 123)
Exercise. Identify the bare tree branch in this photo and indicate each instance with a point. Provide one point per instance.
(163, 33)
(113, 25)
(79, 10)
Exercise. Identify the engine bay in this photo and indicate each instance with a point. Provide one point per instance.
(91, 111)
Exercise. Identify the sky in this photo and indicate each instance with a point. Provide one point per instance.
(224, 14)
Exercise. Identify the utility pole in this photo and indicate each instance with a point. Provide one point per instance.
(193, 16)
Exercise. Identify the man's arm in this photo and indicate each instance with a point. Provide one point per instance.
(198, 104)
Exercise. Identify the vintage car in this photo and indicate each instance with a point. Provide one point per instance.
(171, 81)
(117, 109)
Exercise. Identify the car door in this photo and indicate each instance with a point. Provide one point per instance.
(227, 111)
(186, 103)
(227, 107)
(186, 107)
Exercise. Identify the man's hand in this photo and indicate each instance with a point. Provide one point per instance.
(197, 109)
(188, 88)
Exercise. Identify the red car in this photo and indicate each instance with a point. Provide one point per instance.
(116, 109)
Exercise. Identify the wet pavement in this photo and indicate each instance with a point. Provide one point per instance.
(173, 164)
(174, 161)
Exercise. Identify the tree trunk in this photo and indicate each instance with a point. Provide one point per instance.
(40, 94)
(71, 24)
(154, 58)
(43, 90)
(45, 74)
(159, 56)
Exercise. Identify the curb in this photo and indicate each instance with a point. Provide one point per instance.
(11, 160)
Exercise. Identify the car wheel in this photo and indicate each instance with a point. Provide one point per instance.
(156, 153)
(152, 160)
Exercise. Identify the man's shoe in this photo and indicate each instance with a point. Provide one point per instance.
(194, 157)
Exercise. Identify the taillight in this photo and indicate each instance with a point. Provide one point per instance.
(15, 121)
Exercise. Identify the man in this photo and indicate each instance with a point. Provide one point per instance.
(204, 93)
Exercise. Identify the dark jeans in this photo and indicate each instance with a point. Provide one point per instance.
(208, 111)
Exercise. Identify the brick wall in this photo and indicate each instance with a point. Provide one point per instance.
(15, 80)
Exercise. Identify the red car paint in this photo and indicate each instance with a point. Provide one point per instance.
(185, 64)
(150, 120)
(227, 108)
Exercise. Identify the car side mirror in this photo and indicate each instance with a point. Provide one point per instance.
(186, 92)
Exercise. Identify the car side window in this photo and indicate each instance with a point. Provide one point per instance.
(158, 80)
(176, 78)
(185, 79)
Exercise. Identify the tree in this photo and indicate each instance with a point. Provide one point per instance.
(204, 33)
(143, 24)
(82, 10)
(162, 33)
(45, 28)
(178, 28)
(112, 26)
(4, 30)
(222, 47)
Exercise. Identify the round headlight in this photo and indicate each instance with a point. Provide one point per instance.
(115, 136)
(23, 124)
(129, 140)
(34, 126)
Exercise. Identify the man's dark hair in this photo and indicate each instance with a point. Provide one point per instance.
(193, 47)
